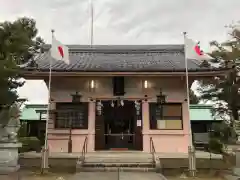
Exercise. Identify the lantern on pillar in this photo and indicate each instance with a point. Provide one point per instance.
(76, 97)
(161, 98)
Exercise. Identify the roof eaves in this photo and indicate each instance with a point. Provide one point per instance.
(200, 106)
(134, 70)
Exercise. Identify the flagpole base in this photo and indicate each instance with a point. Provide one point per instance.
(44, 163)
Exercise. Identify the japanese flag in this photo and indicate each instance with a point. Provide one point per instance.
(193, 50)
(59, 51)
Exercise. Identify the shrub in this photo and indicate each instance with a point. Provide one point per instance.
(224, 133)
(215, 145)
(30, 144)
(22, 130)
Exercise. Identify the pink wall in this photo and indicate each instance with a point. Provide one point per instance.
(58, 139)
(164, 140)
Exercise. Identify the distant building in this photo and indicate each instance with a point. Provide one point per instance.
(34, 119)
(202, 121)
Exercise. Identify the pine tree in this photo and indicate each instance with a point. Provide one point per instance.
(18, 44)
(194, 99)
(223, 91)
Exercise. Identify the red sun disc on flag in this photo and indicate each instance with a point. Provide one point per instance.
(60, 50)
(198, 50)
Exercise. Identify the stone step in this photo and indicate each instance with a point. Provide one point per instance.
(115, 164)
(118, 152)
(115, 169)
(119, 156)
(113, 160)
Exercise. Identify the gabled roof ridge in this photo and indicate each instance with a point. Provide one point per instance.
(35, 105)
(123, 48)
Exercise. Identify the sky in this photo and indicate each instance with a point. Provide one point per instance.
(122, 22)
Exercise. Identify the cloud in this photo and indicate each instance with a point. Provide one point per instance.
(126, 21)
(35, 91)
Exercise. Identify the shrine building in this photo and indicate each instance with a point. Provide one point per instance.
(119, 97)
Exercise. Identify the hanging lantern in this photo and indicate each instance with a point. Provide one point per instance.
(119, 102)
(137, 107)
(112, 104)
(122, 103)
(99, 108)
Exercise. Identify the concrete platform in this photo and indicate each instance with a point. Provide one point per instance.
(199, 154)
(89, 176)
(170, 162)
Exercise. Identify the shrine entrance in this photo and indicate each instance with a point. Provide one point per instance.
(119, 125)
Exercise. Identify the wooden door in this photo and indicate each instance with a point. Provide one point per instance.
(138, 143)
(99, 133)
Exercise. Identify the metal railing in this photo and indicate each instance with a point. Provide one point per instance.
(152, 150)
(84, 149)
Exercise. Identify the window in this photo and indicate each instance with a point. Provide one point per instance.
(166, 116)
(71, 115)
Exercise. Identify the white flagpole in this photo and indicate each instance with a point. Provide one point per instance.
(91, 9)
(46, 150)
(187, 89)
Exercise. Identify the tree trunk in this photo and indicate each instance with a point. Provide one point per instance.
(235, 114)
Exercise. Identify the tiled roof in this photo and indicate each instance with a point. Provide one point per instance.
(120, 58)
(30, 112)
(202, 112)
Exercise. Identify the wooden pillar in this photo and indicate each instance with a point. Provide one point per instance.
(91, 126)
(146, 126)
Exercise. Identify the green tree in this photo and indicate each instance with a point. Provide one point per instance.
(223, 91)
(194, 99)
(19, 44)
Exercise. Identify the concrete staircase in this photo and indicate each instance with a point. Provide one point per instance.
(129, 161)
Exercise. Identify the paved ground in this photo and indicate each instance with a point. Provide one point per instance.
(90, 176)
(114, 176)
(232, 148)
(102, 176)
